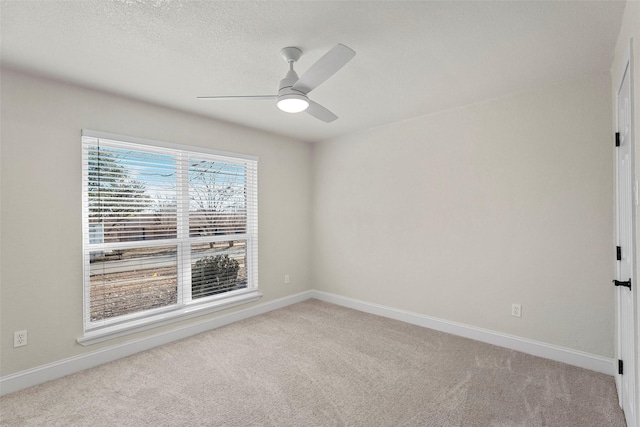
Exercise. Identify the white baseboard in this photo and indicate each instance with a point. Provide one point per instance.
(61, 368)
(548, 351)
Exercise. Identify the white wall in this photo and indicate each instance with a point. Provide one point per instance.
(459, 214)
(41, 267)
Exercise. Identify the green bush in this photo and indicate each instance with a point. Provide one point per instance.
(214, 275)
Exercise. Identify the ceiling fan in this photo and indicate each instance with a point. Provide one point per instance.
(292, 91)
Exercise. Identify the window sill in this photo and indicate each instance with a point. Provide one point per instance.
(187, 312)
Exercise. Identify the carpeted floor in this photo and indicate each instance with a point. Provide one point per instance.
(317, 364)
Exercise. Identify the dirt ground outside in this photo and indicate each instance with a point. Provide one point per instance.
(120, 293)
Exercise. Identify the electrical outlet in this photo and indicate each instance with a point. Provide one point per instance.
(516, 310)
(19, 338)
(286, 278)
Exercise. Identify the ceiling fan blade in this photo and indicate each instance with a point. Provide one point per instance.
(254, 97)
(319, 112)
(324, 68)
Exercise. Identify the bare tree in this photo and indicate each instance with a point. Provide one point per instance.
(114, 196)
(217, 198)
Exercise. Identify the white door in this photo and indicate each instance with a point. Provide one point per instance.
(625, 281)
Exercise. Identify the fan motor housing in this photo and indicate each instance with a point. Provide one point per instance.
(286, 86)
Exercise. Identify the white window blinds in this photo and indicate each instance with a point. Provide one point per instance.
(165, 229)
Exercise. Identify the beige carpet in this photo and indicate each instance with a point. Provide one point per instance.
(317, 364)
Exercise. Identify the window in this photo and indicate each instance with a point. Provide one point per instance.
(168, 232)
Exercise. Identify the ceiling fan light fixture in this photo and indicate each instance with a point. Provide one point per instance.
(292, 96)
(292, 103)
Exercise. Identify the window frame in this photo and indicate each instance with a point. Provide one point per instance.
(94, 332)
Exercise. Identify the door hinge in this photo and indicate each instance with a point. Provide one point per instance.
(620, 367)
(617, 139)
(618, 253)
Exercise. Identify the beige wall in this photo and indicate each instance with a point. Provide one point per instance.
(41, 267)
(454, 215)
(459, 214)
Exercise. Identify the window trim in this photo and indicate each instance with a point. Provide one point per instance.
(165, 315)
(164, 144)
(186, 312)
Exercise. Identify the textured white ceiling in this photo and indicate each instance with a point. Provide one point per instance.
(413, 58)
